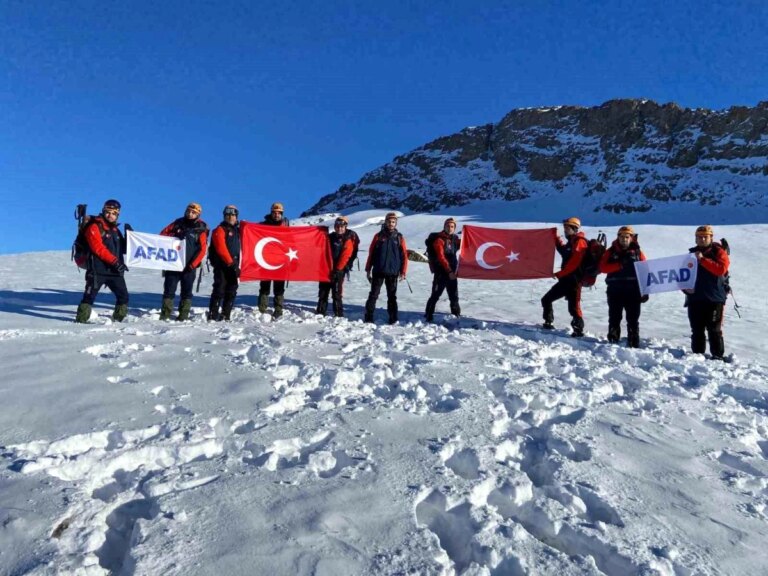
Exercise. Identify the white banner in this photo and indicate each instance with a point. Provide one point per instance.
(155, 252)
(667, 274)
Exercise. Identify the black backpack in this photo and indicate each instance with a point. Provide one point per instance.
(590, 264)
(431, 255)
(351, 234)
(80, 249)
(727, 277)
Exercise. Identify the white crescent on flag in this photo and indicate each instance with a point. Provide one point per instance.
(258, 253)
(480, 255)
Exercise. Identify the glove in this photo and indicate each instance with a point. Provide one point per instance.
(337, 276)
(188, 268)
(644, 299)
(237, 271)
(120, 267)
(368, 276)
(128, 227)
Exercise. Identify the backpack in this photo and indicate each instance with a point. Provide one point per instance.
(80, 249)
(352, 235)
(590, 264)
(431, 255)
(727, 277)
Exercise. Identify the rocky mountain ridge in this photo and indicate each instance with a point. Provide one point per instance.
(625, 157)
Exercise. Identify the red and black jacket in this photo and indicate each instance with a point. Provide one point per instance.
(572, 252)
(225, 245)
(710, 277)
(446, 247)
(105, 242)
(619, 265)
(342, 247)
(195, 235)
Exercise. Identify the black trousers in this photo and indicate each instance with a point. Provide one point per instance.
(265, 285)
(336, 291)
(622, 302)
(225, 283)
(376, 283)
(94, 283)
(706, 319)
(172, 281)
(441, 282)
(570, 289)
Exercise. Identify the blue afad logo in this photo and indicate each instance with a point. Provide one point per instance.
(152, 253)
(668, 276)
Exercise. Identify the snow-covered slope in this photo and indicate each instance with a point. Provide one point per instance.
(320, 446)
(624, 159)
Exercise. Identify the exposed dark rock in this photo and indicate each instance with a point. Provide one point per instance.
(624, 156)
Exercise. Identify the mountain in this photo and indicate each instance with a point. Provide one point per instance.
(626, 160)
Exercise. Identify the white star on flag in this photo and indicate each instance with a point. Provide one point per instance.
(513, 256)
(292, 254)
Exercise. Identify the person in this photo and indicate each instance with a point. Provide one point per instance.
(623, 290)
(274, 218)
(568, 285)
(446, 250)
(342, 247)
(706, 301)
(105, 265)
(194, 231)
(387, 263)
(224, 256)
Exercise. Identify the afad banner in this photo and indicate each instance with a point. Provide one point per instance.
(285, 253)
(667, 274)
(155, 252)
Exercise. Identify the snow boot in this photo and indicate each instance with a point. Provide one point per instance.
(166, 309)
(263, 302)
(213, 310)
(83, 313)
(716, 345)
(578, 327)
(278, 312)
(338, 309)
(322, 308)
(184, 307)
(614, 334)
(120, 312)
(698, 343)
(226, 309)
(368, 318)
(549, 317)
(633, 339)
(456, 310)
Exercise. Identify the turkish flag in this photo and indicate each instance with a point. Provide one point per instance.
(285, 253)
(498, 254)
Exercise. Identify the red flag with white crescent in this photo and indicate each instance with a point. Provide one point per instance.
(285, 253)
(498, 254)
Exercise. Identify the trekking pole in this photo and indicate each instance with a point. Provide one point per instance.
(199, 278)
(408, 284)
(735, 304)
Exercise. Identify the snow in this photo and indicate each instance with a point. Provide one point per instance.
(308, 445)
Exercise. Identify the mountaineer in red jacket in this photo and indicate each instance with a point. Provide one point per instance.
(706, 302)
(568, 285)
(194, 232)
(224, 256)
(446, 250)
(623, 290)
(105, 266)
(342, 247)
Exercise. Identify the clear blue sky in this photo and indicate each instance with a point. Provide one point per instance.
(161, 103)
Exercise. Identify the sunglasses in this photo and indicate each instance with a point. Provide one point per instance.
(339, 223)
(111, 212)
(230, 212)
